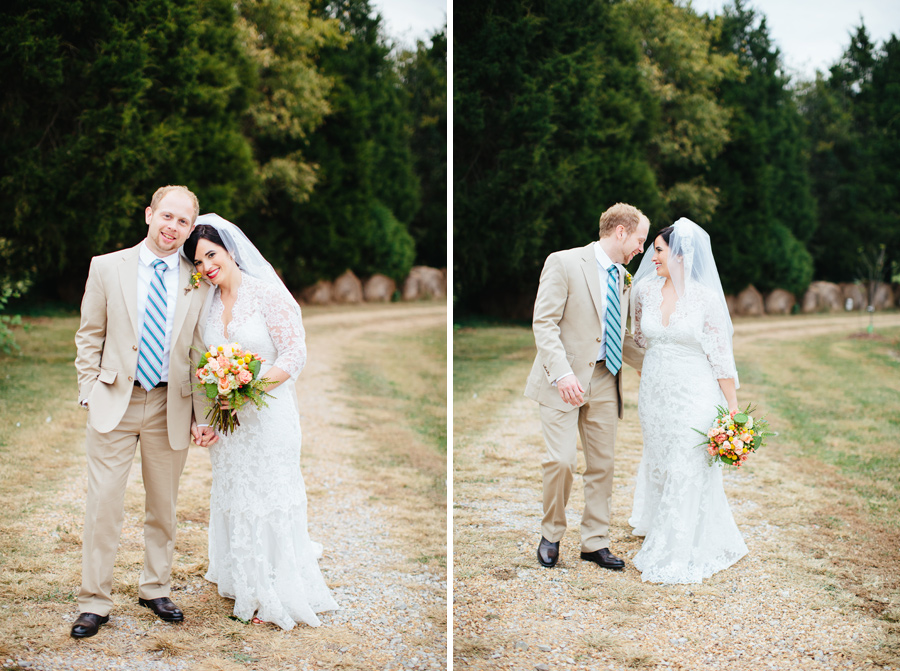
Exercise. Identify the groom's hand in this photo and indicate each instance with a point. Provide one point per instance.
(208, 436)
(570, 390)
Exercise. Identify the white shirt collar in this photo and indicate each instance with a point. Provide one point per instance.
(148, 257)
(602, 258)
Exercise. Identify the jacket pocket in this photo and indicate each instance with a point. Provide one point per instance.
(107, 375)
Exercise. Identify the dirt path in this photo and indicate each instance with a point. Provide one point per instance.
(786, 605)
(393, 604)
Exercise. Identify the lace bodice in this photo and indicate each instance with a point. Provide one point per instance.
(262, 321)
(696, 327)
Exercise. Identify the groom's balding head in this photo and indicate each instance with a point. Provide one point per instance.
(163, 191)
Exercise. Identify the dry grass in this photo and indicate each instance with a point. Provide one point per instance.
(396, 447)
(819, 507)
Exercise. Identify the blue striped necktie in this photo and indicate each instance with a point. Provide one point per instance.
(613, 322)
(150, 356)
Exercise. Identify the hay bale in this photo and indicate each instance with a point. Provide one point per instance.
(320, 293)
(348, 288)
(749, 303)
(424, 282)
(823, 297)
(379, 289)
(780, 302)
(853, 292)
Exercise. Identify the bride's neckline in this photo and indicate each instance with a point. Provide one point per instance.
(660, 305)
(237, 296)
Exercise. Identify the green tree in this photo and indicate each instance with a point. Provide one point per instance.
(551, 121)
(766, 212)
(844, 162)
(365, 164)
(102, 103)
(424, 74)
(282, 39)
(684, 72)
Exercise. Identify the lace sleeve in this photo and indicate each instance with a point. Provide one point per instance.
(285, 326)
(716, 341)
(638, 334)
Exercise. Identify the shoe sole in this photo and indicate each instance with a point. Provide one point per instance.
(606, 566)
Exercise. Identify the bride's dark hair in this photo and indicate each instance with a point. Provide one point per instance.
(666, 233)
(201, 232)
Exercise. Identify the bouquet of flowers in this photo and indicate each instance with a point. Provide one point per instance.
(733, 436)
(230, 378)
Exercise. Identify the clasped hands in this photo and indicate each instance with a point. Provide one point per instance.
(204, 436)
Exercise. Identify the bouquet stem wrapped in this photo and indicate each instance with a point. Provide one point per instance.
(230, 378)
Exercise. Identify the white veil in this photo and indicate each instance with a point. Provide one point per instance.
(246, 254)
(692, 268)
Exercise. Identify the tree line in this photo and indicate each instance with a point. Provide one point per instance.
(564, 107)
(296, 119)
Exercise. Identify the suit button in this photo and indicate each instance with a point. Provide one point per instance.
(130, 379)
(598, 339)
(134, 347)
(591, 364)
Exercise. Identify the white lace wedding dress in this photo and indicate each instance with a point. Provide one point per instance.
(679, 502)
(260, 553)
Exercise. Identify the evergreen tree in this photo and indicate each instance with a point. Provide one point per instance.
(102, 103)
(283, 39)
(843, 163)
(551, 120)
(684, 72)
(366, 192)
(766, 212)
(424, 74)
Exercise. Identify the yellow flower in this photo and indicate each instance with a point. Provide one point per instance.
(220, 348)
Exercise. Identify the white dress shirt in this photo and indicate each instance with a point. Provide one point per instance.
(170, 278)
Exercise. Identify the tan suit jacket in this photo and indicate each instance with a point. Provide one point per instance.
(107, 343)
(568, 313)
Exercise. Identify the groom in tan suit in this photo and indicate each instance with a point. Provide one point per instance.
(139, 320)
(579, 330)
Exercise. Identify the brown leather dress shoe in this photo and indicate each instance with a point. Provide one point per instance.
(164, 608)
(88, 624)
(548, 553)
(603, 557)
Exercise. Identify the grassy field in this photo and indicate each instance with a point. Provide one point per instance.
(389, 389)
(827, 487)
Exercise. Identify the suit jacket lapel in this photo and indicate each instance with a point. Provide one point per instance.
(128, 275)
(182, 300)
(592, 276)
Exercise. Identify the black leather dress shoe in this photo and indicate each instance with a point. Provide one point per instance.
(603, 557)
(164, 608)
(88, 624)
(548, 553)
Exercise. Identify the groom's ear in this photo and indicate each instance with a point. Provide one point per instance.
(148, 214)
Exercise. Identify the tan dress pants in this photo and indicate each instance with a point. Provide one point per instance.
(596, 421)
(109, 459)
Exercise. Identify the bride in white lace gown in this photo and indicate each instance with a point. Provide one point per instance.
(680, 317)
(260, 552)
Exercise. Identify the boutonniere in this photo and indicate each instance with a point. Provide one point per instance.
(194, 283)
(627, 279)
